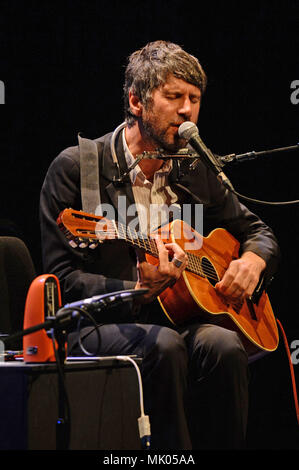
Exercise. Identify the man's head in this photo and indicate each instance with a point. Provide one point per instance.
(151, 66)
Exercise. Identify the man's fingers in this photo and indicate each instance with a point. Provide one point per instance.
(238, 281)
(163, 253)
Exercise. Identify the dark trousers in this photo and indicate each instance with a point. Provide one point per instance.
(195, 381)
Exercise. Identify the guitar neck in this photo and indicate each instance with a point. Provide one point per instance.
(148, 245)
(79, 226)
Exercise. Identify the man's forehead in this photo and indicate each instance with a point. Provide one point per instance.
(173, 82)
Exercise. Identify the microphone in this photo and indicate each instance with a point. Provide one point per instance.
(189, 131)
(98, 302)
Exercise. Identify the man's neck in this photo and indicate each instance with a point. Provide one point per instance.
(137, 144)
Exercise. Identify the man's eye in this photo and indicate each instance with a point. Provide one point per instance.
(172, 97)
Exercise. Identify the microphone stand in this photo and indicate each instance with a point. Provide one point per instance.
(252, 155)
(63, 425)
(219, 162)
(186, 153)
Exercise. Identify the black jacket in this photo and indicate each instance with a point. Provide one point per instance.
(112, 266)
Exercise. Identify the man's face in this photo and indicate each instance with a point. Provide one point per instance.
(172, 103)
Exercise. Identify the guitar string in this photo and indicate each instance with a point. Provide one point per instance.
(144, 243)
(193, 260)
(194, 263)
(118, 225)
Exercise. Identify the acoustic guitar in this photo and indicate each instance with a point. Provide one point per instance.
(193, 295)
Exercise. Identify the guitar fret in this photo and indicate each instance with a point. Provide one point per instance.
(150, 247)
(144, 241)
(121, 230)
(132, 237)
(115, 228)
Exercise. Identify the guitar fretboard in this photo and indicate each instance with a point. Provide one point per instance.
(77, 224)
(131, 236)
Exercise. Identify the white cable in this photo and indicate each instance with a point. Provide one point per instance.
(128, 358)
(143, 420)
(112, 143)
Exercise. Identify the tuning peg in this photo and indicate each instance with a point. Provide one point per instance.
(82, 243)
(73, 244)
(93, 243)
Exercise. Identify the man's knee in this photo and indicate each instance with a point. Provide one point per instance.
(170, 347)
(220, 347)
(228, 344)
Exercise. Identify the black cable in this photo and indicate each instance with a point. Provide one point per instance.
(62, 442)
(92, 320)
(96, 328)
(65, 425)
(251, 155)
(257, 201)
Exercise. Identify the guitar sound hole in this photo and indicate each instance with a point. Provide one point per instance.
(209, 271)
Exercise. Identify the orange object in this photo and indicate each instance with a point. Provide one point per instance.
(43, 300)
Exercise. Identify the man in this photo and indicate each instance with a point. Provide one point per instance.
(163, 88)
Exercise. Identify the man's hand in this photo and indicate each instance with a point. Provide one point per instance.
(158, 278)
(241, 277)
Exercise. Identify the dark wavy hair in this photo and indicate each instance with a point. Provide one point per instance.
(149, 67)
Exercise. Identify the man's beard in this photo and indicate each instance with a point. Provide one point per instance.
(159, 137)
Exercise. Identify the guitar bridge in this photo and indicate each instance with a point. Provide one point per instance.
(255, 298)
(251, 309)
(237, 306)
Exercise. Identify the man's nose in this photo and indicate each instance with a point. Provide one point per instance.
(185, 108)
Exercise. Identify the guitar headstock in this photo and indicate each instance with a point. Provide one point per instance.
(85, 230)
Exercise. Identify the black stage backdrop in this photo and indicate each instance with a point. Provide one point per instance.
(62, 63)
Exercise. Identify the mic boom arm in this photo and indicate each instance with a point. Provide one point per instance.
(252, 155)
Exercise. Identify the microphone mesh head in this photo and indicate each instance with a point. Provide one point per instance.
(187, 130)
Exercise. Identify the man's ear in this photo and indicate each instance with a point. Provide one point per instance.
(135, 104)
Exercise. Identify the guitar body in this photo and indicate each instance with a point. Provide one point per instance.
(194, 296)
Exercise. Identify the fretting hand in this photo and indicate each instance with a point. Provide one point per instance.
(165, 274)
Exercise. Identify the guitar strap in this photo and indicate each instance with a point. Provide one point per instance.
(89, 176)
(89, 171)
